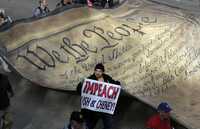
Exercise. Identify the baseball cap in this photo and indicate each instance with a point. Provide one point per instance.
(77, 116)
(164, 106)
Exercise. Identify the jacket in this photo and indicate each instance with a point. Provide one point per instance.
(155, 122)
(5, 87)
(39, 12)
(107, 79)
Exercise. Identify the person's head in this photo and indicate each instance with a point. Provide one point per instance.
(99, 70)
(164, 110)
(65, 2)
(2, 14)
(76, 120)
(43, 3)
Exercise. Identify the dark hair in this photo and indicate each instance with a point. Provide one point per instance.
(99, 66)
(2, 15)
(40, 1)
(77, 116)
(62, 2)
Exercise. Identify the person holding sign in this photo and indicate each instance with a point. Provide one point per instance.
(99, 95)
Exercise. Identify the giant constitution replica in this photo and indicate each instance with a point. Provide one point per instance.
(153, 50)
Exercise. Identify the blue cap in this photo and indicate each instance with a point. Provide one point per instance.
(163, 106)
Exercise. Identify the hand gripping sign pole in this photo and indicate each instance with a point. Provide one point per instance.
(99, 96)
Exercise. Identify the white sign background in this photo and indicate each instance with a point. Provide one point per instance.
(96, 102)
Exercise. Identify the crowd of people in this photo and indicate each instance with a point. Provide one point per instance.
(43, 9)
(160, 120)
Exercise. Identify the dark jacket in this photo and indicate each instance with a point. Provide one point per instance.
(91, 117)
(39, 12)
(106, 78)
(5, 87)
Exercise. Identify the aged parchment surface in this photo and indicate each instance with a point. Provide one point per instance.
(152, 49)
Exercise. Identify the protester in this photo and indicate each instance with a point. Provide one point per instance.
(161, 120)
(63, 3)
(42, 9)
(4, 20)
(107, 2)
(5, 92)
(92, 117)
(76, 121)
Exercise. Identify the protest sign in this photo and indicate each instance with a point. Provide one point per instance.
(99, 96)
